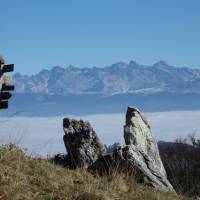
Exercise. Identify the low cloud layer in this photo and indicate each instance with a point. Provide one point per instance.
(44, 135)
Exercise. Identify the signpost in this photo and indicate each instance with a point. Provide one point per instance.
(5, 81)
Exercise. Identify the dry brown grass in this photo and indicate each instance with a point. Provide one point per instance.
(27, 178)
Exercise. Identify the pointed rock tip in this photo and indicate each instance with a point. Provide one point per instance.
(130, 113)
(132, 109)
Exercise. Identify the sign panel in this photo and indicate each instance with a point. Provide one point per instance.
(5, 84)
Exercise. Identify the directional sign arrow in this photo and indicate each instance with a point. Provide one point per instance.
(7, 68)
(3, 104)
(5, 95)
(7, 87)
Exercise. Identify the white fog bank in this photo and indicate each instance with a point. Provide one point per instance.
(43, 135)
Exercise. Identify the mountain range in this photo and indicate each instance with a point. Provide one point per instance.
(119, 78)
(72, 90)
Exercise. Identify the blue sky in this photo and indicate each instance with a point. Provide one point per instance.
(37, 34)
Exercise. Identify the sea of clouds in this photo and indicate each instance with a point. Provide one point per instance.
(43, 135)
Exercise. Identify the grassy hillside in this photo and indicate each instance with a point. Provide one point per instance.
(27, 178)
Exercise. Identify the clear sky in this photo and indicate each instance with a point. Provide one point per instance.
(37, 34)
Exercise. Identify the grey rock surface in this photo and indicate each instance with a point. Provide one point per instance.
(81, 142)
(137, 132)
(138, 157)
(141, 151)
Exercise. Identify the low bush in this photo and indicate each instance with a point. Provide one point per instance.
(181, 160)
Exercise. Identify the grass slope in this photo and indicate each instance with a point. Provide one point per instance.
(26, 178)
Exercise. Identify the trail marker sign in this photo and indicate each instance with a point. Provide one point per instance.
(5, 81)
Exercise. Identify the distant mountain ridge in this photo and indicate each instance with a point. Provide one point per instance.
(119, 78)
(80, 91)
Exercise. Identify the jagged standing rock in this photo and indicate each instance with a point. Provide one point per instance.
(139, 157)
(142, 151)
(137, 132)
(82, 143)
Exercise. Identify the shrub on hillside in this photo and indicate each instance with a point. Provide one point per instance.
(182, 163)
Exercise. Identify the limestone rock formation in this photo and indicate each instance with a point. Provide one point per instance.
(142, 151)
(137, 132)
(81, 142)
(139, 157)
